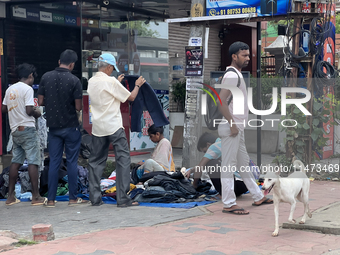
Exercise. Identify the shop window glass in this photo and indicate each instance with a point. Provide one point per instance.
(163, 54)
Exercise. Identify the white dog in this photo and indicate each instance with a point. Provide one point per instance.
(287, 190)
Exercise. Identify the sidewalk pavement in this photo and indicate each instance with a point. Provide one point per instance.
(208, 232)
(204, 230)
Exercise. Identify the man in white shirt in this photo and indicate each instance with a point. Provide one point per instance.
(106, 93)
(19, 103)
(234, 152)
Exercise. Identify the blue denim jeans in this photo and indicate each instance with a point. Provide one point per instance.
(26, 145)
(70, 138)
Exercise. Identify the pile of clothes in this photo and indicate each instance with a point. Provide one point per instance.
(158, 187)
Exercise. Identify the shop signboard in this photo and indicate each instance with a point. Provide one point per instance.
(58, 18)
(70, 20)
(32, 15)
(193, 61)
(93, 23)
(46, 16)
(258, 7)
(19, 12)
(84, 22)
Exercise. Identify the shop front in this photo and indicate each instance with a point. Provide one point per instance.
(36, 32)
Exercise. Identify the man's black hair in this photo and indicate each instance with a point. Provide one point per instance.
(236, 47)
(24, 70)
(67, 57)
(204, 139)
(153, 130)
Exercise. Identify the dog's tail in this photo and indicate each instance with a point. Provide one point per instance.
(298, 165)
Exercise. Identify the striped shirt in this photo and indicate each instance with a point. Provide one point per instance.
(214, 150)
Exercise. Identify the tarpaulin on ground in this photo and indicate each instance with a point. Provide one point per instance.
(109, 200)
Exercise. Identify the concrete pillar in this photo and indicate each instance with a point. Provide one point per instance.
(193, 117)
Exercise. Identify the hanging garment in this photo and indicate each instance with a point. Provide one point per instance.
(146, 98)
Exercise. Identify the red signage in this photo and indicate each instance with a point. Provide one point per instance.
(328, 55)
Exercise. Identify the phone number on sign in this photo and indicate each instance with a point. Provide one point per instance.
(320, 168)
(233, 11)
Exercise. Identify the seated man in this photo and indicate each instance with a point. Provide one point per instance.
(162, 157)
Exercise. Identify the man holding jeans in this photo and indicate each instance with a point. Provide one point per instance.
(19, 104)
(106, 94)
(61, 93)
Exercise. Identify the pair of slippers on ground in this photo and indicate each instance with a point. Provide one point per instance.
(46, 204)
(240, 211)
(78, 201)
(33, 203)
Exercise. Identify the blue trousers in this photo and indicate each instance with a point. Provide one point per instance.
(70, 138)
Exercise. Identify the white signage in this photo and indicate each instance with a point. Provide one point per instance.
(19, 12)
(195, 41)
(46, 16)
(194, 83)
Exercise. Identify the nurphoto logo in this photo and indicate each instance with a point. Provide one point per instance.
(239, 102)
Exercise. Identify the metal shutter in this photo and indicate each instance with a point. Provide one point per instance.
(39, 44)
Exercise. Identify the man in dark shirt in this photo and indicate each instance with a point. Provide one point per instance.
(61, 94)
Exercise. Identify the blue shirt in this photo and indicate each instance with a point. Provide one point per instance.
(214, 150)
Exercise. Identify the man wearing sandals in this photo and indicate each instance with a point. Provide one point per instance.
(234, 153)
(61, 93)
(19, 104)
(106, 93)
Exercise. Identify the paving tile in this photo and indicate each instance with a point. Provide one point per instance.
(65, 253)
(216, 224)
(190, 230)
(249, 235)
(223, 230)
(210, 252)
(99, 252)
(185, 225)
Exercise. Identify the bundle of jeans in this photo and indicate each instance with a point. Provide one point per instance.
(169, 184)
(156, 194)
(172, 175)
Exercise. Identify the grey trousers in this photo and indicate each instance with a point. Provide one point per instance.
(97, 164)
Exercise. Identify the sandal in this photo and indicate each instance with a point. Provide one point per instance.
(40, 203)
(234, 211)
(79, 201)
(128, 204)
(15, 202)
(49, 204)
(267, 201)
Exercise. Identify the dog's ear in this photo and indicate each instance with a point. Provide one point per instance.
(293, 159)
(298, 165)
(271, 175)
